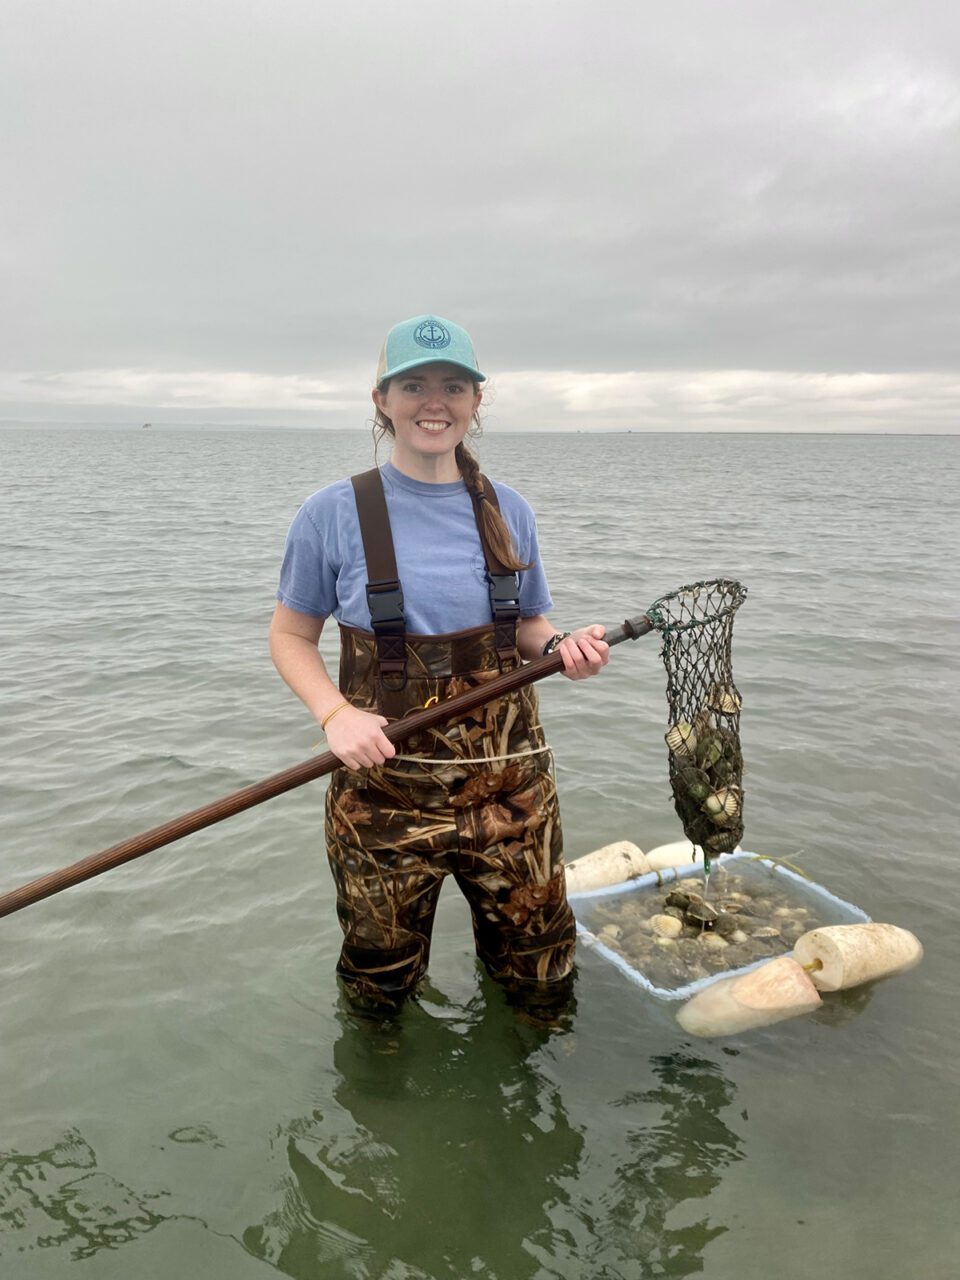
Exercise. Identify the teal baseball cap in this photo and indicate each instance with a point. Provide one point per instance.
(426, 340)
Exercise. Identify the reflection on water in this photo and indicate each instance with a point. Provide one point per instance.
(840, 1007)
(448, 1152)
(678, 1154)
(58, 1198)
(444, 1144)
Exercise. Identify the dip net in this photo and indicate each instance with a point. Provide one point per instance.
(703, 738)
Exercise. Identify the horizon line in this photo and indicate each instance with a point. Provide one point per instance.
(556, 431)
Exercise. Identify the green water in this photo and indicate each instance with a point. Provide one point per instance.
(183, 1092)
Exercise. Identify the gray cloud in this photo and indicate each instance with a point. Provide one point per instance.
(622, 189)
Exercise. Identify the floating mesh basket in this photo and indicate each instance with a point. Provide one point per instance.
(703, 738)
(771, 905)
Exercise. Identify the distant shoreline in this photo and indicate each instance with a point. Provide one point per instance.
(15, 423)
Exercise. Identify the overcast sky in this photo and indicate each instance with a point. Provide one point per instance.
(672, 215)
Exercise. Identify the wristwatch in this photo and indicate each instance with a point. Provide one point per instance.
(552, 643)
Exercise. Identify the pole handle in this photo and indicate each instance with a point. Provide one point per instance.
(306, 771)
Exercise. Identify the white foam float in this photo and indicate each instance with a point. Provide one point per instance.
(677, 854)
(773, 992)
(613, 864)
(846, 955)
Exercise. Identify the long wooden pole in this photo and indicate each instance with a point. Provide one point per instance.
(287, 779)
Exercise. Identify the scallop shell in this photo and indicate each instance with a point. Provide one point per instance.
(677, 898)
(703, 722)
(724, 699)
(722, 842)
(726, 924)
(666, 926)
(681, 739)
(722, 805)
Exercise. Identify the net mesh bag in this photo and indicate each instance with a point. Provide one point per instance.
(703, 738)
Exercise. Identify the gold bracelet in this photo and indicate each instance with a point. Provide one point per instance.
(330, 714)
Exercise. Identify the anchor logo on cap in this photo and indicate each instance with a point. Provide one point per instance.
(431, 333)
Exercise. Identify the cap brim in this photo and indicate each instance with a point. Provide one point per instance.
(475, 374)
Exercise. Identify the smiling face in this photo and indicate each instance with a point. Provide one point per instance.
(431, 409)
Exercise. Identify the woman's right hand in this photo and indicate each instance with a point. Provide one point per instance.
(357, 738)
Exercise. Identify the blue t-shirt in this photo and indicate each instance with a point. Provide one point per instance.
(440, 559)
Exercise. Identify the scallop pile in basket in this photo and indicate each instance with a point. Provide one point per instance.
(677, 935)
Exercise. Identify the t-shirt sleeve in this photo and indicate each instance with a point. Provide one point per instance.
(534, 591)
(308, 580)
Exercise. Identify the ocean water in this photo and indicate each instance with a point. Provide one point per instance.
(183, 1092)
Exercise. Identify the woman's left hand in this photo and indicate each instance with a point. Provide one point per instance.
(584, 652)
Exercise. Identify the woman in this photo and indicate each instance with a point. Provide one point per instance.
(433, 574)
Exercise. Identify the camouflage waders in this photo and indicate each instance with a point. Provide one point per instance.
(474, 799)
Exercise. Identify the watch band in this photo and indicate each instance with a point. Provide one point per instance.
(552, 643)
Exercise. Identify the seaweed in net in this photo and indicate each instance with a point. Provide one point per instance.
(703, 738)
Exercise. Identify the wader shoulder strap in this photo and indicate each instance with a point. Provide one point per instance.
(384, 594)
(504, 583)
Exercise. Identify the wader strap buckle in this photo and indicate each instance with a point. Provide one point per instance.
(384, 593)
(504, 596)
(385, 601)
(505, 607)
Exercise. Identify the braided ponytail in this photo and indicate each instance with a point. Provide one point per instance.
(494, 526)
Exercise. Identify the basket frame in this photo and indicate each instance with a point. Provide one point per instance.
(592, 942)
